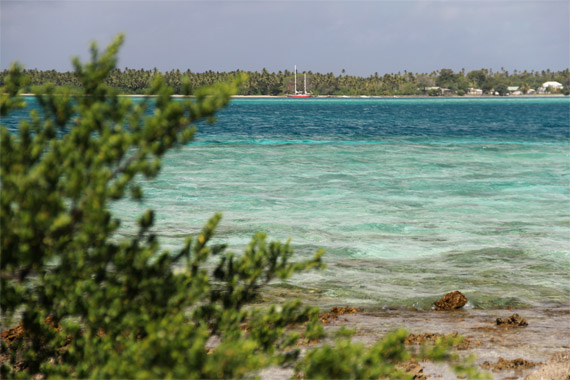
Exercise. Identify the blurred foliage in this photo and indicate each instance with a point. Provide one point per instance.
(94, 306)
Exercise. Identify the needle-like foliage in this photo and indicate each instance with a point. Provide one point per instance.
(94, 305)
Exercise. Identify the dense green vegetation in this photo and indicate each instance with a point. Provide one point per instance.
(92, 305)
(131, 81)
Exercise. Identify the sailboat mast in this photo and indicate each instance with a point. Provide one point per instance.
(299, 93)
(295, 79)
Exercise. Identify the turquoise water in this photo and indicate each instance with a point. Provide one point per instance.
(411, 198)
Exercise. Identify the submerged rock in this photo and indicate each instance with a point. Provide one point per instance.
(512, 321)
(417, 339)
(451, 301)
(503, 365)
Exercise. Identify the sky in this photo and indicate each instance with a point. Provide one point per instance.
(361, 37)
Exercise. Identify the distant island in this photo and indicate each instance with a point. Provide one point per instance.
(444, 82)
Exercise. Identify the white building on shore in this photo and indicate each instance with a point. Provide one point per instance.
(552, 85)
(555, 85)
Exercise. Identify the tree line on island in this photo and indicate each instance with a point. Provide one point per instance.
(441, 82)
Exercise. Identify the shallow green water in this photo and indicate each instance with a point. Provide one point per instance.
(411, 198)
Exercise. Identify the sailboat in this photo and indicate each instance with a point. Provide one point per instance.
(299, 94)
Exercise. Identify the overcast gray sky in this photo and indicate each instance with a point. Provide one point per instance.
(362, 37)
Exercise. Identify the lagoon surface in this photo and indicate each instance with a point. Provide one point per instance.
(410, 198)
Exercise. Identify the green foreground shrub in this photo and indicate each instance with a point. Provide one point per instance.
(95, 306)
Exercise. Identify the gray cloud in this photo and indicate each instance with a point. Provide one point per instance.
(362, 37)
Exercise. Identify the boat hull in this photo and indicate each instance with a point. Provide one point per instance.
(299, 96)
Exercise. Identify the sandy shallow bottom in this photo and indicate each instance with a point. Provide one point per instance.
(546, 339)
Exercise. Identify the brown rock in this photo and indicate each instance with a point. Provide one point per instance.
(13, 334)
(413, 369)
(335, 312)
(423, 338)
(512, 321)
(503, 364)
(417, 339)
(16, 333)
(451, 301)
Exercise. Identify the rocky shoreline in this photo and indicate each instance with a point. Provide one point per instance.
(507, 344)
